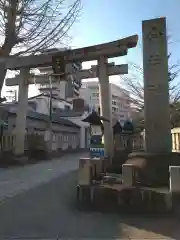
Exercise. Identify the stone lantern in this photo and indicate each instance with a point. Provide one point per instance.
(128, 130)
(96, 134)
(117, 134)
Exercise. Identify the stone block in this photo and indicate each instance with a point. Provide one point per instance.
(84, 172)
(174, 179)
(128, 174)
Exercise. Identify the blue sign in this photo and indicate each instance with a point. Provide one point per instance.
(97, 152)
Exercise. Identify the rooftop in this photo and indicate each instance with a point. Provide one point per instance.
(56, 118)
(48, 95)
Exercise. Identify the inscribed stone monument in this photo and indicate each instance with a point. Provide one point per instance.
(156, 87)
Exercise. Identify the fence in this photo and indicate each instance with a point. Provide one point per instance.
(175, 133)
(137, 141)
(127, 141)
(7, 143)
(59, 140)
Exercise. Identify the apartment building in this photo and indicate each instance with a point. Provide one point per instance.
(120, 103)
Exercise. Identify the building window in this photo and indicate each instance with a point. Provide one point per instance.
(73, 138)
(95, 94)
(99, 110)
(120, 105)
(114, 102)
(65, 138)
(54, 110)
(113, 109)
(66, 107)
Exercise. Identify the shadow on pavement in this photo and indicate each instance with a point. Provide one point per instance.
(49, 211)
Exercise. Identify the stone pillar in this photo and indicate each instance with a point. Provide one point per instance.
(105, 104)
(156, 88)
(20, 129)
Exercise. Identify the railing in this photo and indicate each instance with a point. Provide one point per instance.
(127, 141)
(7, 142)
(137, 141)
(58, 141)
(175, 133)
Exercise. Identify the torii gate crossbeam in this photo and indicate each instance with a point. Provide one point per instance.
(83, 74)
(110, 50)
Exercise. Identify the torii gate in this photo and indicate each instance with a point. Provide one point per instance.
(99, 52)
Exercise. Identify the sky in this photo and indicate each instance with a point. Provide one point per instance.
(108, 20)
(105, 20)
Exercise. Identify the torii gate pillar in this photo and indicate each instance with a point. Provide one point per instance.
(20, 129)
(105, 104)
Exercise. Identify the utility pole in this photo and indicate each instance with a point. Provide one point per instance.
(50, 115)
(50, 133)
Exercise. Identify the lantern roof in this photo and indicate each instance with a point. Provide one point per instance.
(128, 126)
(94, 118)
(117, 128)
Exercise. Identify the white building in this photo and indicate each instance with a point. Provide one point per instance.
(41, 103)
(120, 103)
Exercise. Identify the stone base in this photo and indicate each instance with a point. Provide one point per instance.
(20, 159)
(153, 169)
(8, 159)
(133, 201)
(119, 158)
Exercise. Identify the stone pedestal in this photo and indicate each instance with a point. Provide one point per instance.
(153, 168)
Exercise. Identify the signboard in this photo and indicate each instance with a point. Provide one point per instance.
(59, 65)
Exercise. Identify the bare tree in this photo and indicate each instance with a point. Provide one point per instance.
(30, 26)
(134, 84)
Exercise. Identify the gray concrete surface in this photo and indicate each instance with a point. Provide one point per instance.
(15, 180)
(44, 207)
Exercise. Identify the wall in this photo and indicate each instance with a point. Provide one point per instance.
(120, 103)
(86, 92)
(63, 136)
(42, 104)
(84, 130)
(39, 124)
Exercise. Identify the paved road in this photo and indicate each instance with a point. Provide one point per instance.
(19, 179)
(41, 203)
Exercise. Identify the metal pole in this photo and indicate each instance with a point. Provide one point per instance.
(50, 101)
(50, 115)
